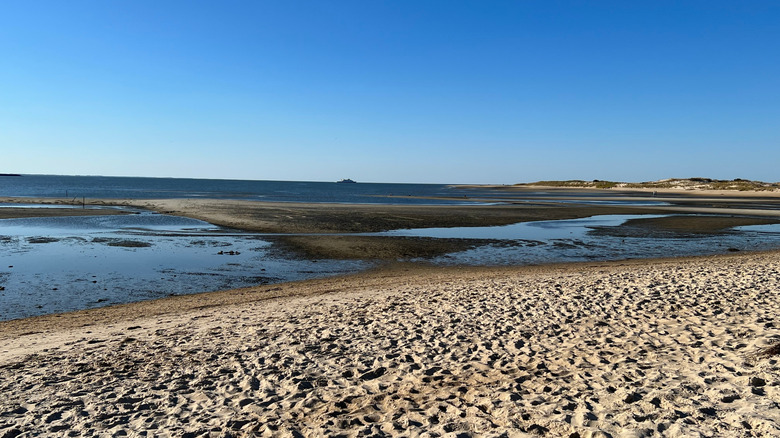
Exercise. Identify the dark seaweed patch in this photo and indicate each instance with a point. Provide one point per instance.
(125, 243)
(42, 240)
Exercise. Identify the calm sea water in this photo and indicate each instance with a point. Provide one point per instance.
(108, 187)
(57, 186)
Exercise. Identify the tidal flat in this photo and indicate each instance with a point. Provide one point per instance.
(58, 257)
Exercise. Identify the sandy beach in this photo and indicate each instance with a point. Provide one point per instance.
(390, 219)
(639, 348)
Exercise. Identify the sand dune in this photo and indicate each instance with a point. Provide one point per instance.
(662, 348)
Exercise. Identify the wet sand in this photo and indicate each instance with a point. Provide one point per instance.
(682, 226)
(641, 348)
(269, 217)
(26, 212)
(294, 222)
(302, 219)
(303, 229)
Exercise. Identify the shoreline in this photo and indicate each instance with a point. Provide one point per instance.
(693, 193)
(632, 346)
(400, 271)
(392, 272)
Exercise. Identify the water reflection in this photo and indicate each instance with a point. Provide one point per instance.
(578, 240)
(540, 230)
(59, 264)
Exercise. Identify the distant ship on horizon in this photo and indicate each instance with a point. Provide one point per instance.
(345, 181)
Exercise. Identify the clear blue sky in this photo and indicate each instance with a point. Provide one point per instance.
(391, 91)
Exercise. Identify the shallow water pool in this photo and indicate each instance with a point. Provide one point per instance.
(50, 265)
(59, 264)
(578, 240)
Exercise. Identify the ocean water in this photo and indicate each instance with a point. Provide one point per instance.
(107, 187)
(91, 187)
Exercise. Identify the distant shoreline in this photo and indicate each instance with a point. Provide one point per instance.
(672, 186)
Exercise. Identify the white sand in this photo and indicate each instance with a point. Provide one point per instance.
(661, 348)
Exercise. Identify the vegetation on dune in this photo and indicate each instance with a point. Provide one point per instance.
(737, 184)
(597, 184)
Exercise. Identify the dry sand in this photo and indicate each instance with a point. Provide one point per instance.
(627, 349)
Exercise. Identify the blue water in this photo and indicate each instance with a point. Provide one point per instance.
(60, 264)
(107, 187)
(573, 240)
(536, 231)
(91, 187)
